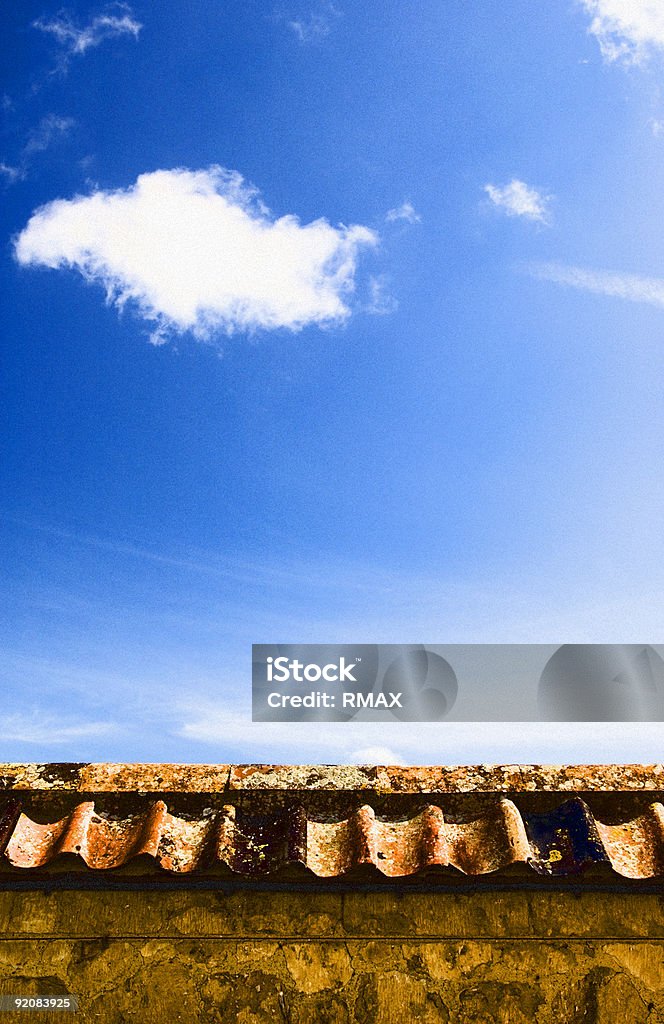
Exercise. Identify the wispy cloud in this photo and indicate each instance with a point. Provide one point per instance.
(381, 302)
(627, 30)
(231, 730)
(49, 130)
(198, 251)
(315, 24)
(234, 737)
(406, 212)
(633, 287)
(11, 172)
(517, 199)
(76, 39)
(49, 730)
(176, 676)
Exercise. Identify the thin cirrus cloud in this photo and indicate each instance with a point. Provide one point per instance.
(629, 31)
(11, 172)
(315, 25)
(632, 287)
(517, 199)
(75, 40)
(47, 730)
(49, 129)
(197, 251)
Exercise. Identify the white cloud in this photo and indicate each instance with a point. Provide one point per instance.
(49, 730)
(117, 20)
(627, 30)
(603, 282)
(198, 251)
(405, 212)
(520, 200)
(374, 755)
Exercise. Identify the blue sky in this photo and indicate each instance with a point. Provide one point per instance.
(324, 323)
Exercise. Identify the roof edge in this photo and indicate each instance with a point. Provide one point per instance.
(85, 777)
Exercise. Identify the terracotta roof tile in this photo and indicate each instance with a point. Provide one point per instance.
(254, 820)
(562, 842)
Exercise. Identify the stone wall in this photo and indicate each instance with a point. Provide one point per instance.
(327, 957)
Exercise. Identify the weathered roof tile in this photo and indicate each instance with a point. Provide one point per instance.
(561, 842)
(332, 821)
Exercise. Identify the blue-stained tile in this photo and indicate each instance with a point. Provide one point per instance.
(565, 840)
